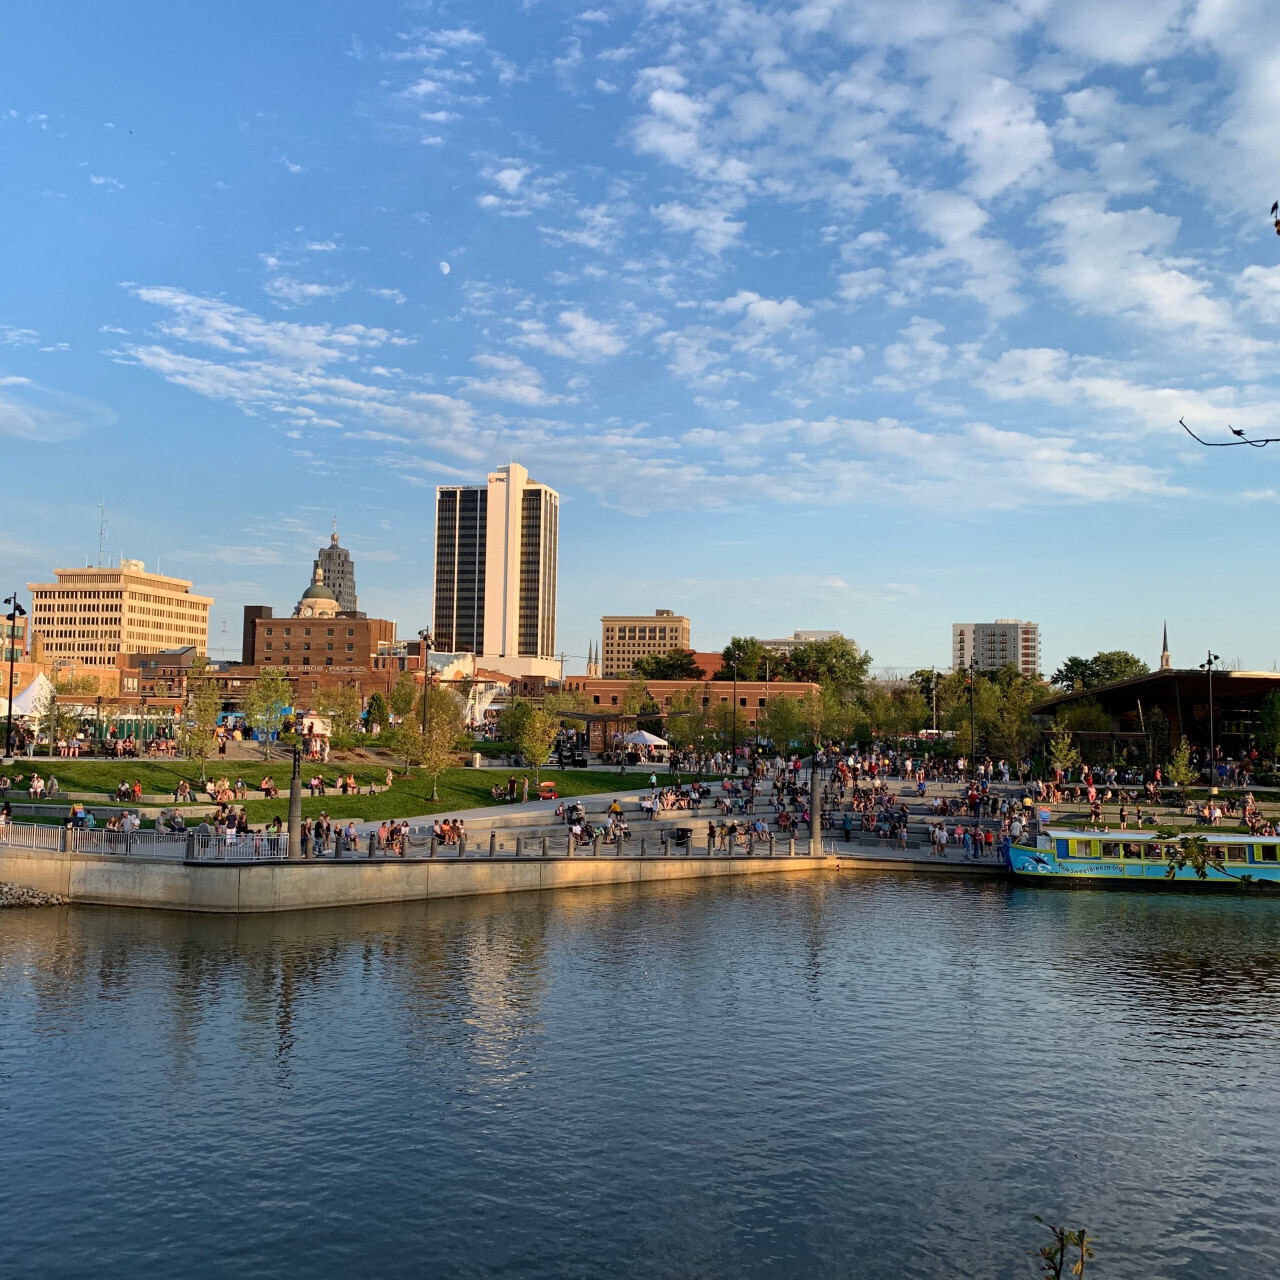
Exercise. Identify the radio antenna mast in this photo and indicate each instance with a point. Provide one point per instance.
(102, 530)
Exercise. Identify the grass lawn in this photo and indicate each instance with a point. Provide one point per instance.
(408, 797)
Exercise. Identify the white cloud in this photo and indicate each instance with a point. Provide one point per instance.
(509, 379)
(41, 415)
(579, 337)
(713, 230)
(300, 293)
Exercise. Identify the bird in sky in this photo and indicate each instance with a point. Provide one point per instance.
(1275, 215)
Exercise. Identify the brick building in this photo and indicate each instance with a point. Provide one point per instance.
(715, 695)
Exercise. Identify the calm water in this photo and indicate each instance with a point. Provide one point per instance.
(794, 1077)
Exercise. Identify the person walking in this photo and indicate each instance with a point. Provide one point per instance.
(524, 788)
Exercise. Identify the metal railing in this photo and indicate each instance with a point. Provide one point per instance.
(31, 835)
(151, 844)
(255, 846)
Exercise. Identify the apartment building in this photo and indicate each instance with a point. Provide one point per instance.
(996, 644)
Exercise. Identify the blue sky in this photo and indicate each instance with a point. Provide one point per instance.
(873, 315)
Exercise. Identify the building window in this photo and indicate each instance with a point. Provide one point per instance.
(329, 632)
(330, 645)
(306, 631)
(613, 701)
(268, 646)
(328, 662)
(288, 631)
(351, 631)
(350, 648)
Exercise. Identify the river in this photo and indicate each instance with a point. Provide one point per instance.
(790, 1076)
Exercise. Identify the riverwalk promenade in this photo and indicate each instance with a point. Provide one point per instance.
(509, 848)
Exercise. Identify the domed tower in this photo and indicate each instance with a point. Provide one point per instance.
(317, 600)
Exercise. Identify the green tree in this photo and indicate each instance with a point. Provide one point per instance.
(535, 736)
(1085, 716)
(750, 656)
(813, 715)
(684, 724)
(199, 717)
(635, 698)
(377, 712)
(728, 725)
(1062, 751)
(1180, 770)
(1075, 673)
(1105, 667)
(1118, 664)
(836, 662)
(564, 700)
(675, 664)
(1269, 723)
(404, 695)
(782, 722)
(429, 735)
(341, 704)
(263, 704)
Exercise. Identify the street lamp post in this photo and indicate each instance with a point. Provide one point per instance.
(973, 730)
(425, 637)
(16, 611)
(1207, 665)
(294, 849)
(733, 726)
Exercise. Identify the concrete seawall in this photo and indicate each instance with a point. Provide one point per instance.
(167, 884)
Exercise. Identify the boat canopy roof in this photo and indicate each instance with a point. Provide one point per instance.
(1091, 833)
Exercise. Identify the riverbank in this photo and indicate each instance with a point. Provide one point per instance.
(16, 895)
(102, 879)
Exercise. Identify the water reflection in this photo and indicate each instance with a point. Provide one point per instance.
(801, 1076)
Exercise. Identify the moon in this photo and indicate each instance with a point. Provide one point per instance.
(444, 268)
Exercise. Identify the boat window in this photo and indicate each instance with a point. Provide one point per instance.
(1154, 850)
(1268, 852)
(1110, 850)
(1132, 850)
(1084, 849)
(1064, 848)
(1237, 853)
(1218, 851)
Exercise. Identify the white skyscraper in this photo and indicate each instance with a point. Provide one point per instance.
(497, 548)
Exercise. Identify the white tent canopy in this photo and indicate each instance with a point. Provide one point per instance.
(638, 738)
(34, 698)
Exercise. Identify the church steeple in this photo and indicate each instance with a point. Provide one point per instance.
(1166, 662)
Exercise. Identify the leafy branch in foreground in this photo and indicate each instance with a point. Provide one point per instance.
(1051, 1258)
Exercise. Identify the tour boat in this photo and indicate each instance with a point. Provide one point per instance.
(1140, 859)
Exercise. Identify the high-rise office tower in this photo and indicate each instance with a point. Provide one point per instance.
(497, 548)
(339, 573)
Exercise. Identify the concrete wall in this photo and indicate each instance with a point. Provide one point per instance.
(107, 880)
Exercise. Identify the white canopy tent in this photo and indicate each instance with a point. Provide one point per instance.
(639, 738)
(33, 700)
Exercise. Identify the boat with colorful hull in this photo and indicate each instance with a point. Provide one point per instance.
(1141, 860)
